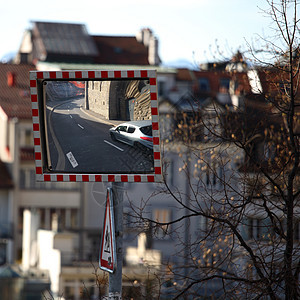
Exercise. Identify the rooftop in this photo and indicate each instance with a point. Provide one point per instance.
(120, 50)
(58, 40)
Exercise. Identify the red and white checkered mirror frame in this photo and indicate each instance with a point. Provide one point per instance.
(95, 74)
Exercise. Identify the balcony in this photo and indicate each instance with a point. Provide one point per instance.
(76, 257)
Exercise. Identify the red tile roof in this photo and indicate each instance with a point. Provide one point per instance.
(15, 99)
(5, 178)
(121, 50)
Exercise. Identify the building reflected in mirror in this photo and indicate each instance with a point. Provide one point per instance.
(119, 100)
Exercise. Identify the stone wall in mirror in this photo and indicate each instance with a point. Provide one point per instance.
(98, 126)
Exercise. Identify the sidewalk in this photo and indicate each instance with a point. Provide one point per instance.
(100, 118)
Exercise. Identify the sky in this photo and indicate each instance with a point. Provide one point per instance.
(189, 30)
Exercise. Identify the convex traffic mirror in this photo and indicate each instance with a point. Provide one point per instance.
(96, 126)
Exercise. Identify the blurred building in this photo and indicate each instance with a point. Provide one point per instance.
(56, 204)
(71, 43)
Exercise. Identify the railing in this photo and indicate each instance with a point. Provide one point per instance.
(76, 257)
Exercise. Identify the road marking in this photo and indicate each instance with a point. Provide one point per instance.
(80, 126)
(71, 116)
(107, 142)
(72, 159)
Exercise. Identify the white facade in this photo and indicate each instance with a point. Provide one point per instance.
(48, 198)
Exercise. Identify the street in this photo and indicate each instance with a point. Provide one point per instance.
(80, 143)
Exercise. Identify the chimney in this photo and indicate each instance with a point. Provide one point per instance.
(140, 36)
(153, 57)
(144, 36)
(11, 79)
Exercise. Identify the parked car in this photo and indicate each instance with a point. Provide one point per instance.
(134, 133)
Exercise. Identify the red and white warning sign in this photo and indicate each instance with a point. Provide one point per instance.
(107, 259)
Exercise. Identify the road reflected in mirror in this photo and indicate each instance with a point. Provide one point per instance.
(98, 127)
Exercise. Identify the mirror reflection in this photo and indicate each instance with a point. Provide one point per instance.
(98, 126)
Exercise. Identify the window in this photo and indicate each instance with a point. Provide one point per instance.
(61, 218)
(118, 50)
(2, 254)
(54, 219)
(27, 178)
(161, 88)
(28, 138)
(74, 218)
(224, 85)
(204, 85)
(42, 213)
(146, 130)
(131, 129)
(64, 217)
(254, 228)
(207, 176)
(258, 229)
(93, 249)
(161, 216)
(122, 128)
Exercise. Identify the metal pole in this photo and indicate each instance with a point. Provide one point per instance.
(115, 279)
(187, 220)
(81, 221)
